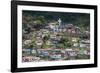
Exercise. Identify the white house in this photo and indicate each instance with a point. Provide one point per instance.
(27, 42)
(71, 52)
(39, 42)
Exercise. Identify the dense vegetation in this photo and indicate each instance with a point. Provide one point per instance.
(41, 17)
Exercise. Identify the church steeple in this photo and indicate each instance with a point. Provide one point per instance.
(59, 21)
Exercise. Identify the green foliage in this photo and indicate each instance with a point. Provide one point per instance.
(45, 46)
(74, 18)
(60, 45)
(41, 18)
(64, 43)
(46, 38)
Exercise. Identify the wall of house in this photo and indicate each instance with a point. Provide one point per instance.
(5, 50)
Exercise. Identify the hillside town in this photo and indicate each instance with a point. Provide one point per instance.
(55, 41)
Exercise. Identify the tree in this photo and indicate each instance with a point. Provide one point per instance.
(78, 41)
(45, 46)
(45, 40)
(64, 43)
(60, 45)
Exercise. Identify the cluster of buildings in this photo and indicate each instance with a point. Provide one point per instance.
(54, 32)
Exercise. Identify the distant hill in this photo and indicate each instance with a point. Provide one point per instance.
(79, 19)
